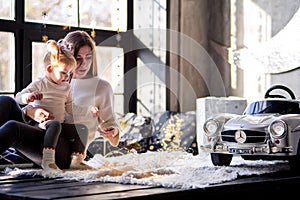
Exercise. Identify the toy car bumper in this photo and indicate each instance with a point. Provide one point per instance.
(256, 150)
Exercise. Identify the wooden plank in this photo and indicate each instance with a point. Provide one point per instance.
(20, 179)
(149, 193)
(98, 190)
(35, 184)
(51, 189)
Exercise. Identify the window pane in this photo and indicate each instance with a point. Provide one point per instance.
(7, 9)
(119, 103)
(38, 52)
(103, 14)
(151, 89)
(98, 14)
(150, 24)
(110, 62)
(7, 62)
(63, 12)
(110, 66)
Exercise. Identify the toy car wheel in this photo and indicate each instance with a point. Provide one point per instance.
(221, 159)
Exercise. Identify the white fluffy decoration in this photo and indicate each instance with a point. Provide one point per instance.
(167, 169)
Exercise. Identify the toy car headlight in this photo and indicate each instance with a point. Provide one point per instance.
(278, 129)
(211, 127)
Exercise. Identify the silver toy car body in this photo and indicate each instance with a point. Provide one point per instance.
(269, 129)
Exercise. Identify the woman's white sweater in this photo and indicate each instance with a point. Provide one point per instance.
(97, 92)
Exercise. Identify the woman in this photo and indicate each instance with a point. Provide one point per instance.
(88, 90)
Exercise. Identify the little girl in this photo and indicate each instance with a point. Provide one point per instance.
(52, 92)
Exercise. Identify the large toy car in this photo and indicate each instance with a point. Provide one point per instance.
(268, 129)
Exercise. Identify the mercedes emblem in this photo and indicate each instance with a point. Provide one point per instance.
(240, 136)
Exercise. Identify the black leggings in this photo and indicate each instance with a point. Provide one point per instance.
(72, 132)
(52, 132)
(29, 140)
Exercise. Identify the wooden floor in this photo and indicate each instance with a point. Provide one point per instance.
(268, 186)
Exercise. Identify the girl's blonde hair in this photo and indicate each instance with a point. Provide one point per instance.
(75, 40)
(58, 54)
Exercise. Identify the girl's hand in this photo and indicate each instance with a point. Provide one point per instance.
(38, 114)
(36, 95)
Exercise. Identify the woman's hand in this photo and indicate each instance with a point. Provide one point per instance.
(95, 111)
(38, 114)
(110, 133)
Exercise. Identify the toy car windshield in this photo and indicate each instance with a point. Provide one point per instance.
(272, 106)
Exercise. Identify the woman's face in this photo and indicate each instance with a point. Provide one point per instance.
(84, 61)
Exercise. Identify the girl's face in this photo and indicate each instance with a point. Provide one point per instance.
(84, 62)
(60, 73)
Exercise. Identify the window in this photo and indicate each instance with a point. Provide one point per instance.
(103, 14)
(52, 12)
(150, 28)
(151, 91)
(7, 63)
(38, 53)
(98, 14)
(7, 9)
(110, 62)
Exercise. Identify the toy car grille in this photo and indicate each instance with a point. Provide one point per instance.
(251, 136)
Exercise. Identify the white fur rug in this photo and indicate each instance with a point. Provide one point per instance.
(166, 169)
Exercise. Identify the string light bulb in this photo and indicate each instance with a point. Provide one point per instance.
(44, 36)
(118, 37)
(93, 25)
